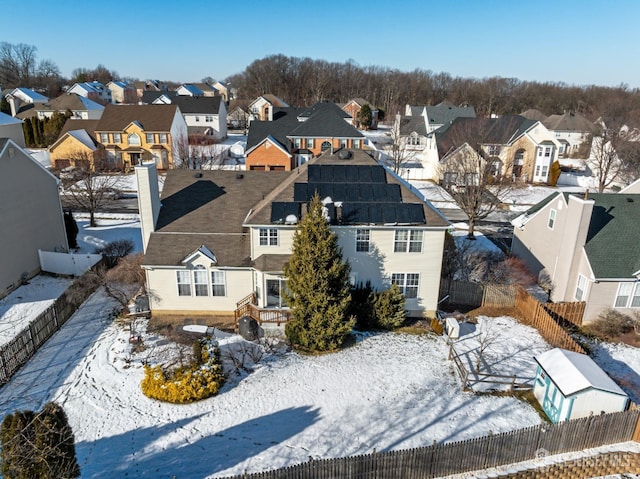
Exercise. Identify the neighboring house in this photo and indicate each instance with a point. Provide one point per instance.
(81, 108)
(417, 144)
(516, 147)
(222, 90)
(20, 98)
(196, 89)
(31, 215)
(219, 239)
(204, 115)
(122, 92)
(571, 130)
(588, 248)
(262, 107)
(571, 385)
(77, 146)
(147, 85)
(533, 114)
(131, 134)
(238, 114)
(94, 90)
(297, 135)
(11, 127)
(353, 108)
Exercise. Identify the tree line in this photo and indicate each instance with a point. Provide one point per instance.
(304, 81)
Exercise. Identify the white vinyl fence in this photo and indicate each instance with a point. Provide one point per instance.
(67, 263)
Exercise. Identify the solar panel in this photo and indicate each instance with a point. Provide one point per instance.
(300, 192)
(281, 210)
(314, 173)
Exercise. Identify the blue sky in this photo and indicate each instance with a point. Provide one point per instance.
(578, 42)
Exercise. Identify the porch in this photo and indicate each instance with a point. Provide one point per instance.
(248, 306)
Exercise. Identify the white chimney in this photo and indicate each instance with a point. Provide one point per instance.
(12, 104)
(148, 199)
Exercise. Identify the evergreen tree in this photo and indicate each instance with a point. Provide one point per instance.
(4, 106)
(318, 285)
(38, 446)
(388, 306)
(361, 306)
(366, 116)
(29, 140)
(71, 227)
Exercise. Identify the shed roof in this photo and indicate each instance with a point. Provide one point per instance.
(574, 372)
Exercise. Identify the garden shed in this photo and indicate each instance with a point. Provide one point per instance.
(570, 385)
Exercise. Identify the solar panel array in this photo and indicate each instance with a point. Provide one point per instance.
(359, 194)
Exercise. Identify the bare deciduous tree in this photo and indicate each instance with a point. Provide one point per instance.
(399, 151)
(91, 189)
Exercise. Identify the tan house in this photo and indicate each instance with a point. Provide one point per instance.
(262, 107)
(587, 246)
(77, 146)
(31, 215)
(131, 134)
(514, 146)
(122, 92)
(216, 244)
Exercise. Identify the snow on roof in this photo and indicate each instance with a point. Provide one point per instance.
(8, 119)
(83, 137)
(90, 104)
(574, 372)
(34, 96)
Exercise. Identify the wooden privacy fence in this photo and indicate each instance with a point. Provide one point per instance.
(19, 350)
(471, 455)
(467, 293)
(571, 312)
(532, 312)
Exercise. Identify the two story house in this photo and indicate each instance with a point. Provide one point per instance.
(122, 92)
(31, 215)
(93, 90)
(81, 108)
(262, 107)
(134, 133)
(77, 146)
(587, 244)
(21, 99)
(573, 131)
(353, 107)
(219, 239)
(297, 135)
(514, 146)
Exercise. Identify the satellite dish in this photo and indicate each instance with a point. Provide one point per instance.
(291, 220)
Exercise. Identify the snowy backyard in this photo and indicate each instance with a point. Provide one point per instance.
(385, 392)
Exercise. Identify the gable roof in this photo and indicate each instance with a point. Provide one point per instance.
(194, 90)
(445, 112)
(612, 244)
(8, 119)
(486, 131)
(323, 106)
(533, 114)
(198, 104)
(209, 208)
(569, 122)
(413, 123)
(91, 87)
(574, 372)
(325, 123)
(272, 99)
(72, 124)
(278, 129)
(150, 117)
(66, 101)
(366, 191)
(28, 93)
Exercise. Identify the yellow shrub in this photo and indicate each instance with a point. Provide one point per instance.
(436, 326)
(187, 384)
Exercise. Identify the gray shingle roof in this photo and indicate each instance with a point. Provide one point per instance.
(151, 117)
(569, 122)
(445, 112)
(410, 124)
(325, 124)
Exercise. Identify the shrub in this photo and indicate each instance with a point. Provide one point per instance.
(198, 380)
(388, 306)
(610, 324)
(361, 306)
(437, 326)
(112, 252)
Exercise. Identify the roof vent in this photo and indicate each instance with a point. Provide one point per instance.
(198, 175)
(344, 154)
(239, 176)
(629, 200)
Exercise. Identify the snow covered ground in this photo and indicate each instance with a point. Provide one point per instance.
(111, 227)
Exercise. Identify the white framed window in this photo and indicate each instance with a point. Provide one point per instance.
(547, 151)
(494, 150)
(581, 288)
(408, 283)
(104, 137)
(163, 137)
(356, 143)
(407, 241)
(117, 138)
(552, 218)
(218, 283)
(363, 240)
(133, 139)
(628, 295)
(149, 137)
(310, 143)
(197, 118)
(200, 283)
(208, 118)
(184, 283)
(268, 237)
(296, 143)
(343, 142)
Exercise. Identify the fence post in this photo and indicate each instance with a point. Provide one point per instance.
(636, 431)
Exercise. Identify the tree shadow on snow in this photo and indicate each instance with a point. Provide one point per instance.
(198, 456)
(627, 378)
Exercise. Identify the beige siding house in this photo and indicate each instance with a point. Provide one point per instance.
(588, 247)
(31, 215)
(218, 238)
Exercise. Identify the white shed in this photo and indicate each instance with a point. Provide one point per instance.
(570, 385)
